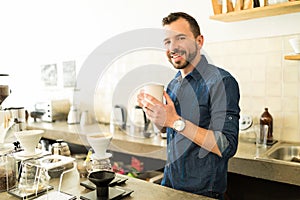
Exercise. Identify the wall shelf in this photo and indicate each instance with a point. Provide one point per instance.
(259, 12)
(292, 57)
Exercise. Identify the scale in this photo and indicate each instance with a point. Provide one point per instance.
(103, 184)
(115, 192)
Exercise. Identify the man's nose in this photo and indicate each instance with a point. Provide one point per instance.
(173, 46)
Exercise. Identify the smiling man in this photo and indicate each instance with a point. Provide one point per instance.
(201, 113)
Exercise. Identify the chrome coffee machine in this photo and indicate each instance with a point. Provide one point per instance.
(11, 119)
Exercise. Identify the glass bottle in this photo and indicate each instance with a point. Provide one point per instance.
(266, 119)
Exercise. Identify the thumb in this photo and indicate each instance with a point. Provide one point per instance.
(168, 98)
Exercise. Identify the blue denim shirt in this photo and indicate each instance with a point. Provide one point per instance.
(208, 97)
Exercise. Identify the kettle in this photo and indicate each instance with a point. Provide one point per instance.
(140, 125)
(118, 118)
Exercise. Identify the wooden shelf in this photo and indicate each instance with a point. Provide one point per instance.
(259, 12)
(292, 57)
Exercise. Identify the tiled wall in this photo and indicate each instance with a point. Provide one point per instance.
(266, 79)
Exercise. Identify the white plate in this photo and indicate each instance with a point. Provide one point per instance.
(24, 154)
(107, 155)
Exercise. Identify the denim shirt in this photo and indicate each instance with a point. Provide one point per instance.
(208, 97)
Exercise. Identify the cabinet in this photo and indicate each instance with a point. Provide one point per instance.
(259, 12)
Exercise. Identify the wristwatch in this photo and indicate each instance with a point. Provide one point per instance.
(179, 125)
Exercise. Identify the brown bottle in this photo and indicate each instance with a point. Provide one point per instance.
(266, 119)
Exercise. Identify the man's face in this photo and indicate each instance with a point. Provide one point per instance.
(181, 45)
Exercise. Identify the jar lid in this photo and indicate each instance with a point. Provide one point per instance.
(6, 148)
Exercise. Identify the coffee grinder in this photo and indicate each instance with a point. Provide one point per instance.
(11, 119)
(4, 114)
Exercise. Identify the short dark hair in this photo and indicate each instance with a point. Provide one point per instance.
(176, 15)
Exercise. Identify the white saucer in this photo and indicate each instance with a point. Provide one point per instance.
(107, 155)
(24, 154)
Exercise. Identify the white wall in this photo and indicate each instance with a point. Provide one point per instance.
(36, 32)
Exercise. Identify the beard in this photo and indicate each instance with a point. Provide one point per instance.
(183, 63)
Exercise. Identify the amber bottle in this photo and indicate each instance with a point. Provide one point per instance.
(266, 119)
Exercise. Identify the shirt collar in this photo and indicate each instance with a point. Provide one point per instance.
(197, 71)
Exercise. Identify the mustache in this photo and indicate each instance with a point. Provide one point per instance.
(177, 51)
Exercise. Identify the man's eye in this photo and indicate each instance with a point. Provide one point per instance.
(181, 38)
(166, 43)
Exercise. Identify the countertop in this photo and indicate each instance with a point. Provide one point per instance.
(141, 189)
(245, 162)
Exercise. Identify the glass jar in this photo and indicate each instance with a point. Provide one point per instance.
(81, 165)
(61, 148)
(8, 167)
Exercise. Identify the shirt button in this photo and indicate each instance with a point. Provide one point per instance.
(230, 118)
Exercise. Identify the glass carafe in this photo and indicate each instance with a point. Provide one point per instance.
(33, 178)
(98, 164)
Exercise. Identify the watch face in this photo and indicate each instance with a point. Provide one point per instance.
(179, 125)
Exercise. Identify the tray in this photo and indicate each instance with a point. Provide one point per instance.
(17, 193)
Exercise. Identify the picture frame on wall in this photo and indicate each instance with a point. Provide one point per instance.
(49, 75)
(69, 74)
(61, 75)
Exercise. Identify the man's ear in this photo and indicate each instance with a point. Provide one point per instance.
(200, 40)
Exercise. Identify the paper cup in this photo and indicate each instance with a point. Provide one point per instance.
(155, 90)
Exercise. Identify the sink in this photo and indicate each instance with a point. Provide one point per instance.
(285, 152)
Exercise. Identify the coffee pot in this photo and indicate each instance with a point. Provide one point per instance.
(118, 118)
(140, 125)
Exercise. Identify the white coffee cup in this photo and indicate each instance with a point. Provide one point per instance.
(155, 90)
(85, 118)
(99, 142)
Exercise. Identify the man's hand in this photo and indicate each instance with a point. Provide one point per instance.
(162, 115)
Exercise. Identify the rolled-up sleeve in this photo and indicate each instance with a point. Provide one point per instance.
(225, 115)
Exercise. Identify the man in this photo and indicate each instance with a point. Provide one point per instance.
(201, 113)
